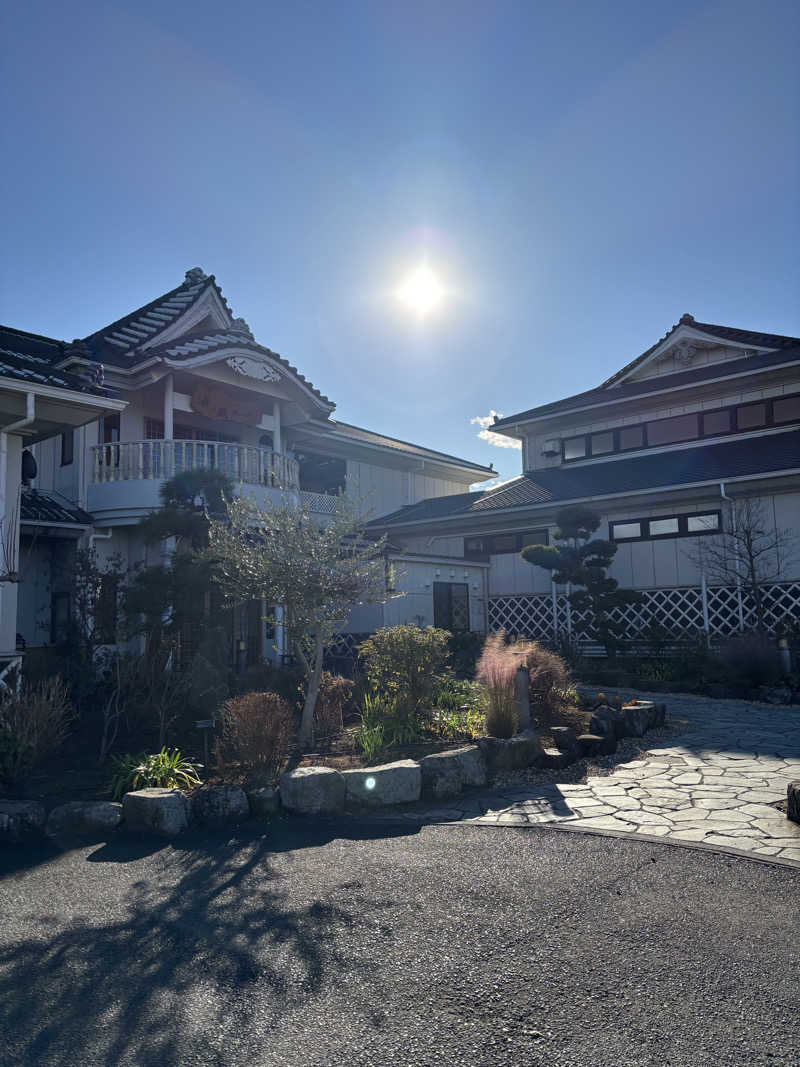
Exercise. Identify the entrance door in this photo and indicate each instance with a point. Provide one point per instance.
(451, 606)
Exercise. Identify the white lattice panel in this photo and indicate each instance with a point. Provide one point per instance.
(679, 611)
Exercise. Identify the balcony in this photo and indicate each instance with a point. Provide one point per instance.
(127, 475)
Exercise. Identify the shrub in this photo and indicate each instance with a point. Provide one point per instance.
(335, 694)
(402, 662)
(164, 769)
(496, 671)
(465, 647)
(33, 725)
(747, 660)
(549, 678)
(257, 731)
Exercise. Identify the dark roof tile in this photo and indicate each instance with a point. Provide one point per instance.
(37, 506)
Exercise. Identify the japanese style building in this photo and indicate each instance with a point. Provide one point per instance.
(707, 414)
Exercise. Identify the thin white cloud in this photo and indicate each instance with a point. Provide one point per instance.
(485, 434)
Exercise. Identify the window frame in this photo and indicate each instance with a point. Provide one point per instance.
(522, 539)
(683, 527)
(733, 423)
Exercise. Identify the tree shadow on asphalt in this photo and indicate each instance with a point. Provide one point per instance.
(211, 937)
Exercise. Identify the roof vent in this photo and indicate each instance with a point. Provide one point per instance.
(551, 448)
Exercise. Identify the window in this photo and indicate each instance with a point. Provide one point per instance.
(631, 437)
(668, 431)
(786, 409)
(109, 429)
(751, 416)
(575, 448)
(702, 523)
(663, 527)
(480, 548)
(451, 606)
(602, 442)
(666, 526)
(626, 531)
(716, 422)
(67, 448)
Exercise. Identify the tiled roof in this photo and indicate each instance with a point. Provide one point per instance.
(705, 463)
(761, 361)
(120, 344)
(195, 345)
(724, 333)
(39, 507)
(124, 337)
(29, 357)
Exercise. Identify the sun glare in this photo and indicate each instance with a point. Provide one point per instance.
(421, 291)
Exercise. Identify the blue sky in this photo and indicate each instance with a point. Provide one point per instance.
(579, 175)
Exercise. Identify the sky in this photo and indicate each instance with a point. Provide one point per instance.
(577, 176)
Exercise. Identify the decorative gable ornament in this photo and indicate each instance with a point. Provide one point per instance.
(684, 353)
(253, 368)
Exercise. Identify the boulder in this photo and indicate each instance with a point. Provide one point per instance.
(512, 753)
(603, 726)
(313, 791)
(156, 811)
(636, 719)
(19, 820)
(565, 738)
(593, 744)
(219, 805)
(84, 817)
(661, 714)
(263, 801)
(649, 707)
(610, 715)
(444, 774)
(775, 694)
(793, 801)
(556, 758)
(390, 783)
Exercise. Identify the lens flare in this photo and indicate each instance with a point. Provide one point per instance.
(421, 291)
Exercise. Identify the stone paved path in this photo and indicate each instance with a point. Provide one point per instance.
(717, 783)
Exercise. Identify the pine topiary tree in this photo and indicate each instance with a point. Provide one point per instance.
(580, 561)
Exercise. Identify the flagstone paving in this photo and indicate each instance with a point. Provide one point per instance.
(716, 783)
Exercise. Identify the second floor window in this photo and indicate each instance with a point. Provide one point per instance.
(67, 448)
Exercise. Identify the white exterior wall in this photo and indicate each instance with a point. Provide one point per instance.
(385, 489)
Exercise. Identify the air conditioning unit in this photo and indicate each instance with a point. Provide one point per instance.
(551, 448)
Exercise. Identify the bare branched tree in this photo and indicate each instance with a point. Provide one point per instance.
(750, 551)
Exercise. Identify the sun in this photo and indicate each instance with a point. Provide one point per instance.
(421, 291)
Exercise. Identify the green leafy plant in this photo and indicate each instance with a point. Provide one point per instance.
(164, 769)
(404, 662)
(461, 724)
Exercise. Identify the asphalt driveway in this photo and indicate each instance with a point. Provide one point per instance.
(347, 944)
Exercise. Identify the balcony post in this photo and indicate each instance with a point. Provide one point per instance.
(169, 392)
(276, 430)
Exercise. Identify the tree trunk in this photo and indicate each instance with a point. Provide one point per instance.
(313, 677)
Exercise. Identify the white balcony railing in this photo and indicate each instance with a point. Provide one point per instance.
(127, 461)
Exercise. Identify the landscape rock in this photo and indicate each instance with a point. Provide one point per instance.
(390, 783)
(156, 811)
(649, 707)
(661, 714)
(20, 820)
(556, 758)
(565, 738)
(512, 753)
(613, 716)
(775, 694)
(593, 744)
(793, 801)
(219, 805)
(636, 719)
(445, 774)
(313, 791)
(603, 726)
(84, 817)
(263, 801)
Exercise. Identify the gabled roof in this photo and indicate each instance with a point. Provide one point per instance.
(789, 353)
(191, 345)
(370, 437)
(32, 358)
(767, 454)
(724, 333)
(118, 343)
(39, 507)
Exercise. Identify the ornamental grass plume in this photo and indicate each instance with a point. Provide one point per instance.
(496, 671)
